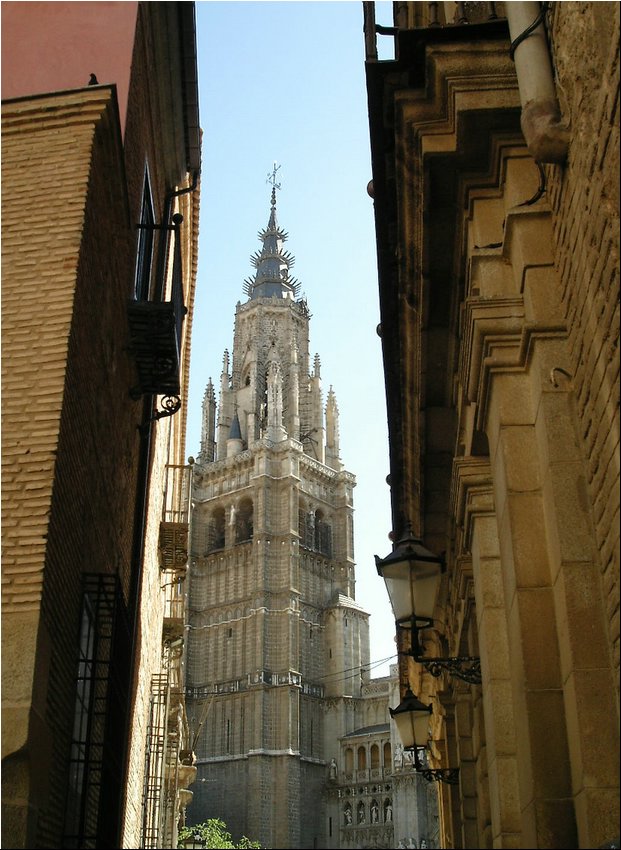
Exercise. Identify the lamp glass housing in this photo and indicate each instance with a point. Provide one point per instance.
(412, 576)
(412, 720)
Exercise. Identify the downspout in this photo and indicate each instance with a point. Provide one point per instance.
(546, 136)
(165, 232)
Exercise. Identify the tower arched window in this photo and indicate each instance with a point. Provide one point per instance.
(375, 757)
(362, 758)
(306, 526)
(387, 755)
(349, 760)
(244, 521)
(215, 530)
(323, 535)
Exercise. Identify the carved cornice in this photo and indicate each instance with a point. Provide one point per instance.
(497, 339)
(449, 125)
(471, 495)
(491, 339)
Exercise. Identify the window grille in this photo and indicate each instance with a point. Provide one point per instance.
(95, 761)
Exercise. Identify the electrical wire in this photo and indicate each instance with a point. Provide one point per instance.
(529, 29)
(353, 671)
(540, 191)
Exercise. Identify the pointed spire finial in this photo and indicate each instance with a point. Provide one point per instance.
(273, 263)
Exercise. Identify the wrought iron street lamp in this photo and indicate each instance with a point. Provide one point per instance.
(412, 717)
(412, 575)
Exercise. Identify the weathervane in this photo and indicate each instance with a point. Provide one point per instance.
(271, 177)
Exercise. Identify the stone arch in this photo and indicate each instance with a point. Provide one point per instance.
(349, 760)
(215, 530)
(244, 520)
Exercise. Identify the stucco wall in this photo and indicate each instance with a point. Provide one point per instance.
(57, 46)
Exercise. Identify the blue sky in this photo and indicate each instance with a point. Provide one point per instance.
(284, 82)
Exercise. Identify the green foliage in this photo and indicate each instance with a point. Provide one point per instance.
(214, 834)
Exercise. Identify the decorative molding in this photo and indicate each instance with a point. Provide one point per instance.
(471, 495)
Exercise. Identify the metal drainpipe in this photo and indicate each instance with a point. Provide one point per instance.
(546, 136)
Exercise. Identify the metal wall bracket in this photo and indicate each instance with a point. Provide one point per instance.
(170, 405)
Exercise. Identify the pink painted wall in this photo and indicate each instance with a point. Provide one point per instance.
(54, 46)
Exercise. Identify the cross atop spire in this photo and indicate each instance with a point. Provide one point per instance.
(271, 178)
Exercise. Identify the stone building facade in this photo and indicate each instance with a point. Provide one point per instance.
(100, 160)
(292, 739)
(495, 148)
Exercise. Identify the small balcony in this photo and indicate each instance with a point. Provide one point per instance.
(174, 611)
(154, 338)
(155, 329)
(175, 524)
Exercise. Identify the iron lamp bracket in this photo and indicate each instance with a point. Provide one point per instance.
(464, 667)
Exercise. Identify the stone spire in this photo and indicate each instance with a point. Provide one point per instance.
(208, 430)
(272, 262)
(332, 433)
(234, 443)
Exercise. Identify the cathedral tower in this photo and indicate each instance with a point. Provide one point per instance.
(277, 646)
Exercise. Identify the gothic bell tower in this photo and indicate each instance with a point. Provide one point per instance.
(273, 620)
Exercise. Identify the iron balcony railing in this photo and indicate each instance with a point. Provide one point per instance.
(177, 493)
(155, 329)
(175, 524)
(174, 606)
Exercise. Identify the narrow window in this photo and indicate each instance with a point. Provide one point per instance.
(146, 233)
(92, 765)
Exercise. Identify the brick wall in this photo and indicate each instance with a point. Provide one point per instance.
(585, 199)
(69, 437)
